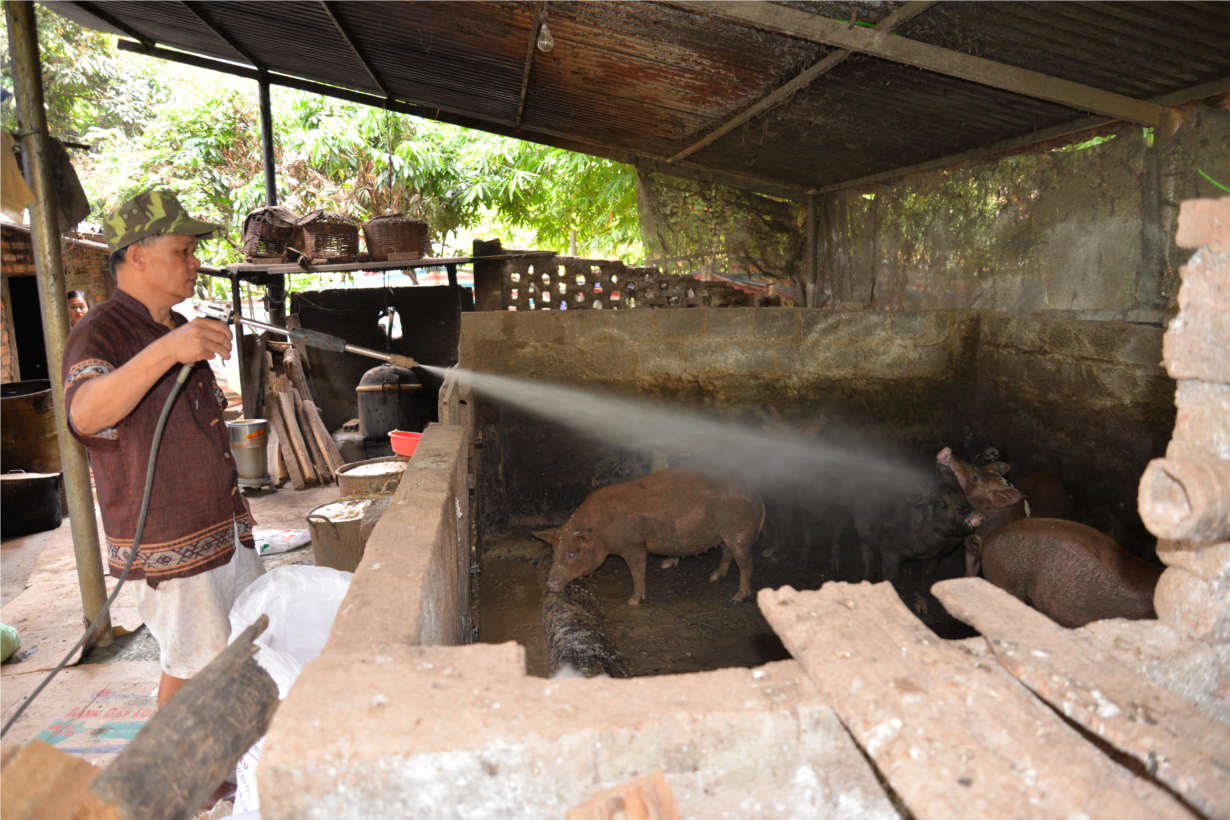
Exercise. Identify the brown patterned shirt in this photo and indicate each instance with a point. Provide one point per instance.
(196, 503)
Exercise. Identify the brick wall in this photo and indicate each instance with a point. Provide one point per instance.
(85, 269)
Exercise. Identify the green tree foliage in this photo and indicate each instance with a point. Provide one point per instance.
(152, 123)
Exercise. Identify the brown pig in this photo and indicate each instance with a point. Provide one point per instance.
(1049, 496)
(1069, 572)
(676, 513)
(990, 494)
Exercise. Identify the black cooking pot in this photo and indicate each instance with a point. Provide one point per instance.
(29, 503)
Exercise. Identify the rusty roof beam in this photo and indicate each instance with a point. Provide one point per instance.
(354, 48)
(902, 15)
(1180, 97)
(93, 9)
(794, 23)
(539, 7)
(197, 11)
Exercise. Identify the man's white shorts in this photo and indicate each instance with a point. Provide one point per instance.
(190, 617)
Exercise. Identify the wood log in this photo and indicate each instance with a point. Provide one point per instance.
(327, 444)
(645, 798)
(190, 745)
(42, 783)
(292, 363)
(954, 738)
(321, 464)
(298, 445)
(289, 461)
(1128, 710)
(305, 363)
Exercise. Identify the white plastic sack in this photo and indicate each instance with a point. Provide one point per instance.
(301, 603)
(274, 542)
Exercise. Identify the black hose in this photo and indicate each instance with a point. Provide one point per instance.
(184, 372)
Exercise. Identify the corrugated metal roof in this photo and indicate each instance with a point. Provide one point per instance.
(646, 80)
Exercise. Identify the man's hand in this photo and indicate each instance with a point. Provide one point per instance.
(197, 341)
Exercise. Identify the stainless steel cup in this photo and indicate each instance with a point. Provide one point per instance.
(249, 448)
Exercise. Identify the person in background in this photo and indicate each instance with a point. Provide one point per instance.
(77, 307)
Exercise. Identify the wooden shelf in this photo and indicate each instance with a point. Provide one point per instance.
(402, 264)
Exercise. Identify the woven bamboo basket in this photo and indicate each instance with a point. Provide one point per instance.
(395, 234)
(266, 232)
(329, 236)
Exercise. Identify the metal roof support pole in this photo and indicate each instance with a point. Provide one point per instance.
(275, 291)
(812, 266)
(49, 265)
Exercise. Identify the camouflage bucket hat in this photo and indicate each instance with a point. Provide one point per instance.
(150, 213)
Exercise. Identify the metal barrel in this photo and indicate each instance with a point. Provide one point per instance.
(249, 446)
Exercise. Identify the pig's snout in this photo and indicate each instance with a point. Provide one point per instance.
(555, 585)
(973, 521)
(944, 456)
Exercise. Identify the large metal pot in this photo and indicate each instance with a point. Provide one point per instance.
(29, 503)
(390, 398)
(337, 530)
(375, 475)
(28, 439)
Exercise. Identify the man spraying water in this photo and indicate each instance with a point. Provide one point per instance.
(120, 365)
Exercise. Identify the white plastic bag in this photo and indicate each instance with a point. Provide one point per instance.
(273, 542)
(301, 603)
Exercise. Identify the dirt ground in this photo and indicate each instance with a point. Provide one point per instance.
(686, 623)
(39, 596)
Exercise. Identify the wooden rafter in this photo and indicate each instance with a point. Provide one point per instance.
(1016, 143)
(789, 21)
(902, 15)
(96, 11)
(354, 48)
(198, 11)
(539, 7)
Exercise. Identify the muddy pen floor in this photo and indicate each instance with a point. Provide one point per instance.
(685, 624)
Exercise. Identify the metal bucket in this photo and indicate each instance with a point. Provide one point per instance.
(249, 448)
(338, 542)
(361, 477)
(28, 439)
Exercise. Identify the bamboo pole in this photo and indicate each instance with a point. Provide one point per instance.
(49, 264)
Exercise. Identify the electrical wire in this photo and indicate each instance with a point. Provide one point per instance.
(184, 373)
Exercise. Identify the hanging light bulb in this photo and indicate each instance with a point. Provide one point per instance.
(545, 41)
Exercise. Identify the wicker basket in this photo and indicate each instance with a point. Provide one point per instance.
(395, 234)
(329, 236)
(266, 232)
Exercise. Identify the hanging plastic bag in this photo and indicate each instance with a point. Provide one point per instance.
(301, 603)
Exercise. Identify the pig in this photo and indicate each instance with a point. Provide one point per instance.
(1071, 573)
(791, 511)
(990, 494)
(924, 525)
(676, 513)
(990, 455)
(1049, 496)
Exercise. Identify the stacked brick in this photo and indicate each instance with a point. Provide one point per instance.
(545, 281)
(1185, 497)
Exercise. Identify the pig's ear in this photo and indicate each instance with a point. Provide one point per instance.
(1000, 468)
(583, 537)
(1005, 496)
(550, 536)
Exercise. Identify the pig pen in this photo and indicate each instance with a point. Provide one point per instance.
(1088, 401)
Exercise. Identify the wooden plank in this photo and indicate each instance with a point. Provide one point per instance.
(297, 444)
(1178, 744)
(293, 363)
(902, 15)
(319, 463)
(274, 412)
(277, 467)
(399, 264)
(804, 25)
(326, 442)
(953, 738)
